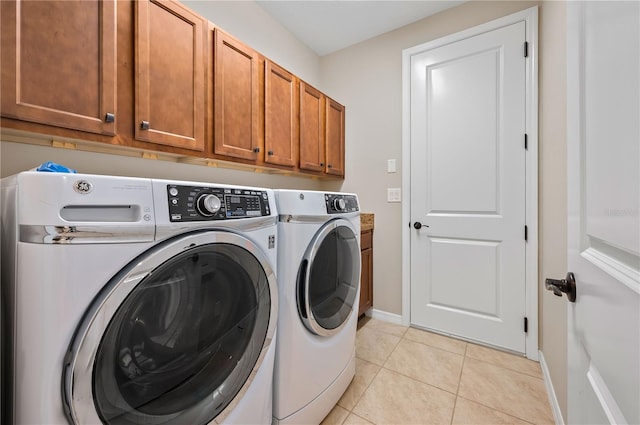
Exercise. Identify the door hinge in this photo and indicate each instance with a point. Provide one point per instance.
(526, 49)
(526, 233)
(526, 325)
(526, 142)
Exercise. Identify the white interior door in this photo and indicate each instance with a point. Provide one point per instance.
(467, 110)
(603, 137)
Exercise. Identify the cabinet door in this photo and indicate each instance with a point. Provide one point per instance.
(281, 116)
(59, 63)
(237, 101)
(366, 277)
(311, 128)
(335, 138)
(169, 75)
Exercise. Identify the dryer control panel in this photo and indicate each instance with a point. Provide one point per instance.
(200, 203)
(339, 203)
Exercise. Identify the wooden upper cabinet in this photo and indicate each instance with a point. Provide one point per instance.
(236, 98)
(281, 116)
(59, 63)
(179, 84)
(334, 137)
(312, 146)
(170, 75)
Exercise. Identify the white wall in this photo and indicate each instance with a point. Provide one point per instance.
(249, 23)
(552, 199)
(16, 157)
(367, 78)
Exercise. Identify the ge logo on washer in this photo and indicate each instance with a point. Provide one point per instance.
(82, 186)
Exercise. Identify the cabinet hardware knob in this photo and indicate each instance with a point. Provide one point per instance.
(322, 164)
(144, 125)
(109, 117)
(256, 150)
(270, 153)
(329, 166)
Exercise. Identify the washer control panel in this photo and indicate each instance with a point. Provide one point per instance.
(339, 203)
(200, 203)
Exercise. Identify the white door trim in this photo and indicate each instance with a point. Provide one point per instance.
(530, 17)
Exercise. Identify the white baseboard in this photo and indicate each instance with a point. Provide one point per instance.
(553, 400)
(384, 316)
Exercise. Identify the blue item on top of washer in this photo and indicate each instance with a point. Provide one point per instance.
(52, 167)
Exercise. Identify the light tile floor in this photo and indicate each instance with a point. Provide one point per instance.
(409, 376)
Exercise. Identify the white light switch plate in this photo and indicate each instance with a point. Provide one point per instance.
(391, 166)
(394, 194)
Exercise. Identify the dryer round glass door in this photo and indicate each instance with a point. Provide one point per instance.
(174, 338)
(329, 278)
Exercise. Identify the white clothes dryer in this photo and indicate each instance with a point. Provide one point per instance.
(319, 279)
(134, 301)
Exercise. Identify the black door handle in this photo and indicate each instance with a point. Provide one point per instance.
(566, 285)
(417, 225)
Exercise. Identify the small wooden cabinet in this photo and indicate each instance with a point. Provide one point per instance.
(321, 132)
(169, 75)
(311, 128)
(366, 277)
(281, 136)
(236, 98)
(59, 63)
(334, 139)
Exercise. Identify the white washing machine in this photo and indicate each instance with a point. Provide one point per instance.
(134, 301)
(319, 278)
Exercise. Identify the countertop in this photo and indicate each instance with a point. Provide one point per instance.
(366, 221)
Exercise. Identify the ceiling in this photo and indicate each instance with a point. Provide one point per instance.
(329, 25)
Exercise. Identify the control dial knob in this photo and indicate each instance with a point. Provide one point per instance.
(208, 205)
(339, 204)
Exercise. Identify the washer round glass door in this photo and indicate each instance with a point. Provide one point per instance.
(174, 338)
(329, 278)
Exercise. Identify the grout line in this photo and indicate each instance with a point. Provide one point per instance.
(345, 418)
(395, 347)
(466, 348)
(419, 381)
(505, 353)
(444, 351)
(438, 348)
(508, 369)
(406, 328)
(455, 402)
(465, 355)
(355, 414)
(497, 410)
(366, 388)
(453, 411)
(384, 361)
(437, 334)
(482, 404)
